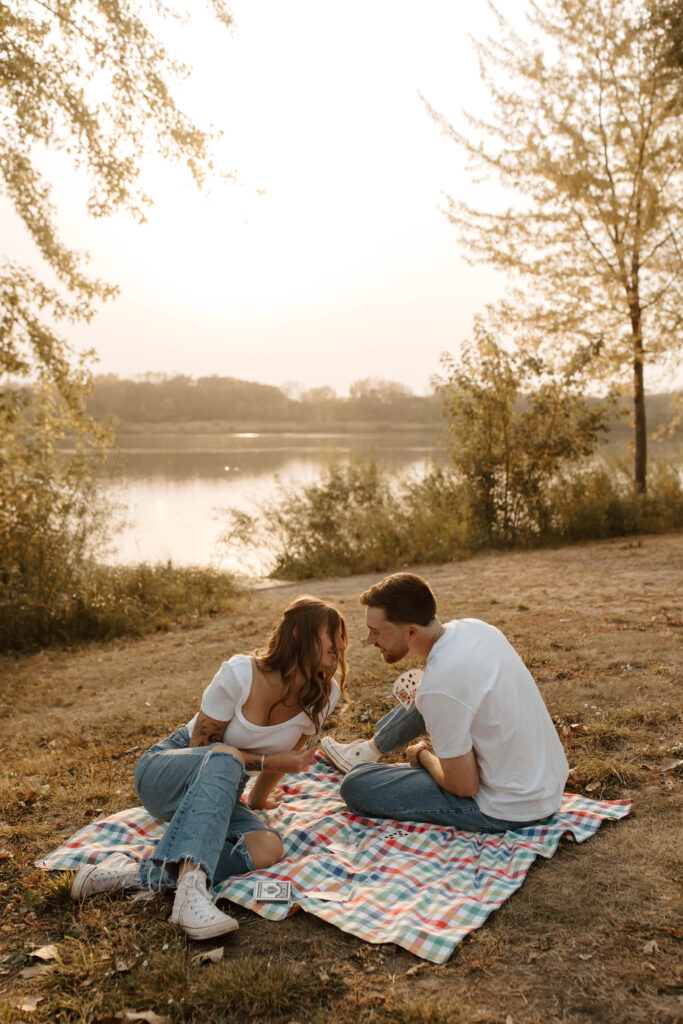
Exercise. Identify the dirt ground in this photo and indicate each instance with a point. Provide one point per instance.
(593, 935)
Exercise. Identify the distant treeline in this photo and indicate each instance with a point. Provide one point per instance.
(238, 404)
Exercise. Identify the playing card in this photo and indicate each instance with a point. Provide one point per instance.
(346, 847)
(405, 687)
(273, 891)
(327, 895)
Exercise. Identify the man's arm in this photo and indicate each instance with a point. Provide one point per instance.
(457, 775)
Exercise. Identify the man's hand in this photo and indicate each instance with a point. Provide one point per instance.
(411, 754)
(457, 775)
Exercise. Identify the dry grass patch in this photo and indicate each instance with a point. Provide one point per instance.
(573, 946)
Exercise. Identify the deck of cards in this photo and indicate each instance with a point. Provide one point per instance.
(273, 891)
(405, 687)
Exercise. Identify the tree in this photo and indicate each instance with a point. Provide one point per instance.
(88, 78)
(585, 126)
(513, 426)
(667, 15)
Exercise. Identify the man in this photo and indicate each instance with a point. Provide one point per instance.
(496, 763)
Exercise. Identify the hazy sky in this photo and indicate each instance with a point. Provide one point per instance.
(345, 268)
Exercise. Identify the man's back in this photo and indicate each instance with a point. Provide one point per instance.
(477, 692)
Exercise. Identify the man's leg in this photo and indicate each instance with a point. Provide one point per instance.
(397, 728)
(411, 794)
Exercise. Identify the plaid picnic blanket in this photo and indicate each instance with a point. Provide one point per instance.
(423, 887)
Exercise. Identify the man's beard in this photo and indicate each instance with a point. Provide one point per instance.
(397, 654)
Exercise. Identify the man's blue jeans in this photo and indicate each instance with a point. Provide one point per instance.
(197, 790)
(411, 794)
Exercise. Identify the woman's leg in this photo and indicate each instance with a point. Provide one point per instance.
(196, 789)
(250, 845)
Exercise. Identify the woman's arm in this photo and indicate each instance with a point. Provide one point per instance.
(265, 794)
(207, 730)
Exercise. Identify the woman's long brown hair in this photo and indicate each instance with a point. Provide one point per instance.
(294, 646)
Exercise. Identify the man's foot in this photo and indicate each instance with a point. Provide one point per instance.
(346, 756)
(194, 911)
(114, 872)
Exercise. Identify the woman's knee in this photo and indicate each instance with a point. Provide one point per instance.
(225, 748)
(265, 847)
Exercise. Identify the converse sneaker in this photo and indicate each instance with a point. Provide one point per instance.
(194, 911)
(114, 872)
(346, 756)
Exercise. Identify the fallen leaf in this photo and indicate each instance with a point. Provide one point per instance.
(374, 998)
(36, 970)
(663, 766)
(585, 956)
(6, 855)
(147, 1015)
(121, 966)
(27, 1004)
(46, 952)
(651, 947)
(509, 1019)
(211, 956)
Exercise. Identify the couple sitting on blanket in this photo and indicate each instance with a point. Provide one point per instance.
(496, 762)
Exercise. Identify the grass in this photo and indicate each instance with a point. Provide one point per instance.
(592, 936)
(111, 601)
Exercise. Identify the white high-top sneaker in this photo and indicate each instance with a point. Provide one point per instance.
(114, 872)
(194, 911)
(346, 756)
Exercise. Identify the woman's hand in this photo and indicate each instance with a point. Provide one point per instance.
(268, 802)
(291, 761)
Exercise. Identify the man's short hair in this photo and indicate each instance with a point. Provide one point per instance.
(405, 598)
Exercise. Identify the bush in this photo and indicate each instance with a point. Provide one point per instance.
(598, 501)
(103, 602)
(356, 518)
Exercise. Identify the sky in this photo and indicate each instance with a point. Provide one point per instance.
(329, 260)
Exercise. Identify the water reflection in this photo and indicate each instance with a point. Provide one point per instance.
(174, 485)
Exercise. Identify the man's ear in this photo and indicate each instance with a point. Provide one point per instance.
(412, 632)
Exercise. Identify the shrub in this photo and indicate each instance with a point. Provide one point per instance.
(103, 602)
(357, 518)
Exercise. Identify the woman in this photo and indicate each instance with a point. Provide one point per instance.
(257, 716)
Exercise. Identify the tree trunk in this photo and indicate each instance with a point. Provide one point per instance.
(640, 464)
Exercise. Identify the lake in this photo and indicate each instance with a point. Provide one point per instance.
(174, 485)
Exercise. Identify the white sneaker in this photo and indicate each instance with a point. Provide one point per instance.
(346, 756)
(194, 911)
(114, 872)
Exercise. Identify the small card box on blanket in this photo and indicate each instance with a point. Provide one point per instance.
(273, 892)
(406, 685)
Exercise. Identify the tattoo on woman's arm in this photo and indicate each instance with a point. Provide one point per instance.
(206, 731)
(252, 762)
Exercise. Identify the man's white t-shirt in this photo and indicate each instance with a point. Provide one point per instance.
(477, 692)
